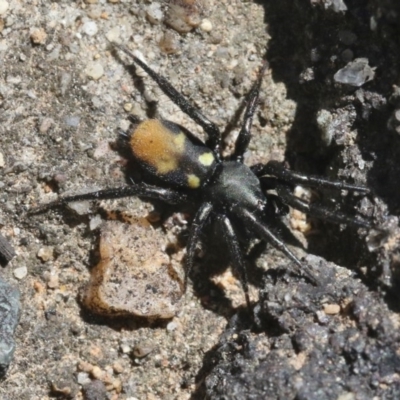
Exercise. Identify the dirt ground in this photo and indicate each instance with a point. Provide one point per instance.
(65, 93)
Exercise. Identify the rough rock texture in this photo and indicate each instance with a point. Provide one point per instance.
(10, 309)
(338, 341)
(329, 342)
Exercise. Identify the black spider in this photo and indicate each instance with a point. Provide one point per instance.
(187, 170)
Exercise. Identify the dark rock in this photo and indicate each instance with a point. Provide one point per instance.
(9, 316)
(353, 353)
(95, 390)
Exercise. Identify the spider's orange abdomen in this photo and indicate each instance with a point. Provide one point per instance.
(171, 153)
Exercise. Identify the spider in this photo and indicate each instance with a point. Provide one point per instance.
(224, 188)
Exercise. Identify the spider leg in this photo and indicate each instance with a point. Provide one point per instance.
(211, 129)
(236, 255)
(319, 211)
(251, 220)
(151, 192)
(277, 170)
(244, 136)
(198, 223)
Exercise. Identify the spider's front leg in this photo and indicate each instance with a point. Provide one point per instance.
(210, 128)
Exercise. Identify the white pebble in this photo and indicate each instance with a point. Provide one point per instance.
(113, 34)
(80, 207)
(171, 326)
(94, 70)
(125, 348)
(206, 25)
(83, 378)
(20, 272)
(154, 13)
(3, 7)
(3, 45)
(1, 160)
(95, 222)
(90, 28)
(45, 253)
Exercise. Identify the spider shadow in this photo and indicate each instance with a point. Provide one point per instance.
(216, 259)
(294, 41)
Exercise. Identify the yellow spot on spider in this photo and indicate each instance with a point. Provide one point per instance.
(154, 144)
(193, 181)
(206, 159)
(179, 141)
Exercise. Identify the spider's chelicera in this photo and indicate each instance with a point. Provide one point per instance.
(226, 190)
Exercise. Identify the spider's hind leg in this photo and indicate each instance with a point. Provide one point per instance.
(152, 192)
(198, 224)
(320, 211)
(236, 255)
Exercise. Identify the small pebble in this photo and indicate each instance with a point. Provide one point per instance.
(142, 350)
(97, 373)
(83, 378)
(154, 13)
(45, 125)
(95, 390)
(1, 160)
(206, 25)
(126, 349)
(80, 207)
(118, 368)
(128, 107)
(53, 281)
(3, 7)
(45, 253)
(90, 28)
(171, 326)
(169, 43)
(20, 272)
(113, 34)
(355, 73)
(38, 36)
(331, 309)
(72, 120)
(85, 366)
(65, 81)
(95, 222)
(94, 70)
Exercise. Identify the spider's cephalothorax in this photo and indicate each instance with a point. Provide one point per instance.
(227, 191)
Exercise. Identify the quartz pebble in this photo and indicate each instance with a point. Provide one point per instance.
(20, 272)
(3, 6)
(355, 73)
(90, 28)
(94, 70)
